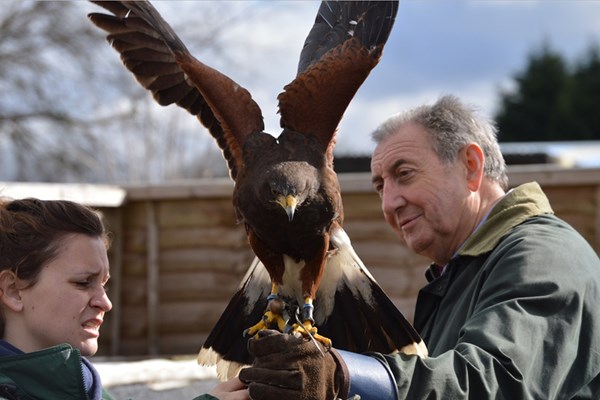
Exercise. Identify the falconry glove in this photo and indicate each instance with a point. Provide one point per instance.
(293, 368)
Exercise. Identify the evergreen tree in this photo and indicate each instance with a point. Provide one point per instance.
(553, 102)
(540, 107)
(586, 96)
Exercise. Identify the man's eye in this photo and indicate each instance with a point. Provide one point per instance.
(378, 186)
(404, 173)
(85, 283)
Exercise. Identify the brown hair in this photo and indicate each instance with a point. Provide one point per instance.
(31, 231)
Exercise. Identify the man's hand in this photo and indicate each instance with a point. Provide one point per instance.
(287, 367)
(233, 389)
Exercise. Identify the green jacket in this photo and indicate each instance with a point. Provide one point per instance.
(53, 373)
(516, 315)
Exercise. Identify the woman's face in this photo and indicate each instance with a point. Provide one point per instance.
(68, 302)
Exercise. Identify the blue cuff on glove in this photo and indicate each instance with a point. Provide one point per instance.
(369, 378)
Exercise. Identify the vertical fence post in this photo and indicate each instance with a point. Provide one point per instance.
(152, 275)
(116, 286)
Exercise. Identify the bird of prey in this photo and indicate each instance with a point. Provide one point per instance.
(306, 276)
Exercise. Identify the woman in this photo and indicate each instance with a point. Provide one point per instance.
(53, 274)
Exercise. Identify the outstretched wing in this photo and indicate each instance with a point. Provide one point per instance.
(161, 63)
(344, 45)
(370, 22)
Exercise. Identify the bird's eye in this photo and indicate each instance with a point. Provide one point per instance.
(274, 192)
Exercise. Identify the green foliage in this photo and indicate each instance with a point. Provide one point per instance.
(586, 96)
(552, 101)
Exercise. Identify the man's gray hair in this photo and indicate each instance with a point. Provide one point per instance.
(451, 125)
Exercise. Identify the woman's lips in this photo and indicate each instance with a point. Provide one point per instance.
(92, 326)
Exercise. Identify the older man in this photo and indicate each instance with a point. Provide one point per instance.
(511, 308)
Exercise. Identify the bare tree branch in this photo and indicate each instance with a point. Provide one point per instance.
(69, 111)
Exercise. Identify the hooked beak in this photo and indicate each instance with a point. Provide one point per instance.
(289, 204)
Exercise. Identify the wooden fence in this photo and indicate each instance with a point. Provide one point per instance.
(178, 256)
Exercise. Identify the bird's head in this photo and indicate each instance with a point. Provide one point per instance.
(286, 196)
(290, 186)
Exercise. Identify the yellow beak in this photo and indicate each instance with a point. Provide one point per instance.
(289, 204)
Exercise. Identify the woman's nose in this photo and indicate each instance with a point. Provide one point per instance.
(102, 301)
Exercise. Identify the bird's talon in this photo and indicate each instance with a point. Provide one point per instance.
(274, 318)
(325, 341)
(254, 329)
(306, 329)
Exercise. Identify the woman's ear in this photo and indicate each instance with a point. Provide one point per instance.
(9, 294)
(473, 160)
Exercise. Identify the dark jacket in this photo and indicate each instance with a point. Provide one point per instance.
(49, 374)
(58, 372)
(515, 314)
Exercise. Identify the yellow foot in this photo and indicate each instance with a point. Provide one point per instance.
(273, 317)
(308, 330)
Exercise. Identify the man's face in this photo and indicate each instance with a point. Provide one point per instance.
(424, 200)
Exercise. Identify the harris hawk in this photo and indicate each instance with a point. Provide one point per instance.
(306, 276)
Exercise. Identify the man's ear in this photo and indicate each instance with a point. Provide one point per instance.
(9, 294)
(473, 160)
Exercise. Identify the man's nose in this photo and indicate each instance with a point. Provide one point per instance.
(392, 198)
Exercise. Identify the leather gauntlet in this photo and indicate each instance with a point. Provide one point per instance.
(287, 367)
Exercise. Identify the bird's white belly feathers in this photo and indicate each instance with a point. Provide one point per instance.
(344, 267)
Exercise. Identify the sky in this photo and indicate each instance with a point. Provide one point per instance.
(469, 48)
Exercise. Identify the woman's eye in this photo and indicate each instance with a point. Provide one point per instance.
(82, 283)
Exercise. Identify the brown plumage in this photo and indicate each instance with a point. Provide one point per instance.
(286, 191)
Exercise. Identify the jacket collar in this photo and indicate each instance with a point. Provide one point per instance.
(520, 204)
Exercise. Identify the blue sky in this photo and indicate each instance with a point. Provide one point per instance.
(470, 48)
